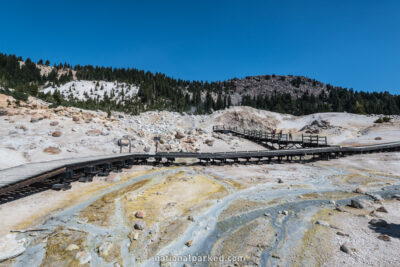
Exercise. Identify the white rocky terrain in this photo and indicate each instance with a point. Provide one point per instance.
(96, 90)
(325, 213)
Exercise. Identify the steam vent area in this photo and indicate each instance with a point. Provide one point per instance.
(237, 187)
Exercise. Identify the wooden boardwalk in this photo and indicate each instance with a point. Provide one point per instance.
(274, 140)
(26, 179)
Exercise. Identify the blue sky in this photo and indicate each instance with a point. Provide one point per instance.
(354, 44)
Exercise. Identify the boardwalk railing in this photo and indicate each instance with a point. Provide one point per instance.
(269, 136)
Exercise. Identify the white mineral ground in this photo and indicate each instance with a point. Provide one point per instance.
(276, 214)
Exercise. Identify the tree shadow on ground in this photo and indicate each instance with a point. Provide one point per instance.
(382, 227)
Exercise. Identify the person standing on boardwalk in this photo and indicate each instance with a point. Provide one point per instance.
(290, 136)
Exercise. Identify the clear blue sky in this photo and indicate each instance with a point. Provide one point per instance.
(350, 43)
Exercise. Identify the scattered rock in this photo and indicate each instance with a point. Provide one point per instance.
(94, 132)
(360, 190)
(378, 223)
(179, 135)
(189, 243)
(323, 223)
(146, 149)
(83, 257)
(75, 118)
(54, 123)
(72, 247)
(384, 237)
(10, 247)
(356, 203)
(3, 112)
(382, 209)
(376, 197)
(280, 181)
(135, 236)
(140, 214)
(36, 118)
(341, 209)
(342, 234)
(190, 218)
(56, 134)
(276, 256)
(267, 214)
(378, 138)
(104, 249)
(22, 127)
(209, 142)
(284, 212)
(139, 225)
(373, 214)
(52, 150)
(345, 249)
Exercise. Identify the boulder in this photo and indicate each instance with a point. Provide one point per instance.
(56, 134)
(189, 243)
(72, 247)
(75, 118)
(5, 100)
(179, 135)
(21, 127)
(384, 237)
(209, 142)
(52, 150)
(323, 223)
(342, 234)
(345, 249)
(356, 203)
(83, 257)
(139, 225)
(146, 149)
(104, 249)
(54, 123)
(3, 112)
(382, 209)
(135, 236)
(93, 132)
(140, 214)
(360, 190)
(36, 118)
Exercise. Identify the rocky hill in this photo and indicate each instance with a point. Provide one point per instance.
(296, 86)
(134, 91)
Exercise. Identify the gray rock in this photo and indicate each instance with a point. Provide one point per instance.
(140, 225)
(345, 249)
(324, 223)
(104, 249)
(146, 149)
(384, 237)
(356, 203)
(376, 197)
(342, 234)
(83, 257)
